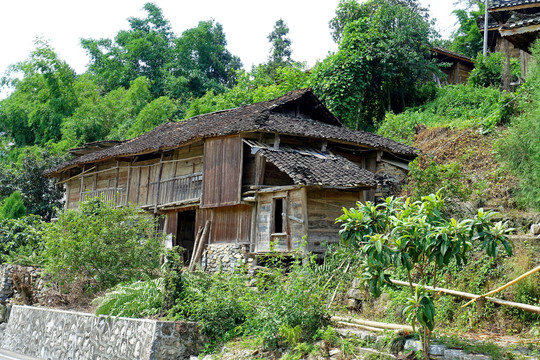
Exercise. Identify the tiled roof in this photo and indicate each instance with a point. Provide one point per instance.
(266, 116)
(496, 4)
(440, 50)
(521, 20)
(315, 169)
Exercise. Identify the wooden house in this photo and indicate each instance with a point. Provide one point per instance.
(458, 67)
(265, 176)
(513, 26)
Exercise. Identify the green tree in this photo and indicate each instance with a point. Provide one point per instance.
(468, 40)
(142, 50)
(42, 97)
(415, 238)
(202, 61)
(106, 117)
(380, 61)
(13, 207)
(178, 67)
(155, 113)
(101, 245)
(41, 195)
(280, 52)
(252, 87)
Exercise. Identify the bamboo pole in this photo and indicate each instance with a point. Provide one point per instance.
(363, 327)
(524, 307)
(374, 324)
(195, 247)
(200, 247)
(528, 273)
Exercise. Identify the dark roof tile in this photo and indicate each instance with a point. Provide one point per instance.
(264, 117)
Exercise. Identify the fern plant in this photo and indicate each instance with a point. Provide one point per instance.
(138, 299)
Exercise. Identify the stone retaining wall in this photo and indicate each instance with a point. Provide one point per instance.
(55, 334)
(225, 257)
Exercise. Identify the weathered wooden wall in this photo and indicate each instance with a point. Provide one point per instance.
(323, 207)
(222, 171)
(229, 224)
(294, 221)
(137, 178)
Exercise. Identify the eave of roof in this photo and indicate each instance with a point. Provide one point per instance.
(317, 169)
(449, 53)
(507, 5)
(259, 117)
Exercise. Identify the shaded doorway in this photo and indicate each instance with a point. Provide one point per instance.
(185, 233)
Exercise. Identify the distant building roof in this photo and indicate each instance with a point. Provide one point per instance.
(510, 4)
(440, 50)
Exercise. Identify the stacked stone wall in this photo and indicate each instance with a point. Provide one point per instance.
(55, 334)
(225, 257)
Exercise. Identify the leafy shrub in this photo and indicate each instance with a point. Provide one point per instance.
(286, 305)
(102, 245)
(426, 177)
(172, 276)
(456, 106)
(519, 149)
(488, 71)
(416, 238)
(21, 240)
(290, 300)
(13, 207)
(220, 302)
(138, 299)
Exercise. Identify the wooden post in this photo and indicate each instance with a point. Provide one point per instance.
(82, 184)
(195, 247)
(200, 247)
(158, 183)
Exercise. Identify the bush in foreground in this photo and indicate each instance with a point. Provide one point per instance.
(101, 245)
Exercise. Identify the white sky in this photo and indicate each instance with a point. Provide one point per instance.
(246, 23)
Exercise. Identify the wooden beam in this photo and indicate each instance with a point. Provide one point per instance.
(158, 183)
(513, 8)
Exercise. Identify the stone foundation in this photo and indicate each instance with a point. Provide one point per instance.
(225, 257)
(55, 334)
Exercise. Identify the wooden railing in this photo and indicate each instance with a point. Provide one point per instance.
(116, 195)
(178, 189)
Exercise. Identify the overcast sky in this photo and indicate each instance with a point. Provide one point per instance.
(246, 23)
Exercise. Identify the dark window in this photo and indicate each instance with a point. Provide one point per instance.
(278, 216)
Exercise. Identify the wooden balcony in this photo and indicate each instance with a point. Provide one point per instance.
(117, 196)
(181, 189)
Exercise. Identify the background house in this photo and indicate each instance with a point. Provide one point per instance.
(265, 176)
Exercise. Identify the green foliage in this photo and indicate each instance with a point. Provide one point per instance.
(426, 177)
(381, 59)
(42, 96)
(21, 240)
(256, 86)
(102, 245)
(220, 303)
(488, 71)
(138, 299)
(41, 195)
(280, 53)
(172, 276)
(13, 207)
(468, 40)
(456, 106)
(283, 307)
(519, 149)
(155, 113)
(414, 236)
